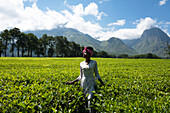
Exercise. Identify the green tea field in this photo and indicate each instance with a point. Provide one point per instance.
(38, 85)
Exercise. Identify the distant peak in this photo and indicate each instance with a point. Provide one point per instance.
(113, 38)
(152, 29)
(153, 33)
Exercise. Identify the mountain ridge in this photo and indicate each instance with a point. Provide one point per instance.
(152, 41)
(86, 40)
(153, 36)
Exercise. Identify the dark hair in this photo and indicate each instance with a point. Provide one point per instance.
(91, 48)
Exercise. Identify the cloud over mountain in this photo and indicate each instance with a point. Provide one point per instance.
(14, 13)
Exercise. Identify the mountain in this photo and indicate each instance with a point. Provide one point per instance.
(112, 46)
(72, 35)
(117, 47)
(152, 40)
(130, 42)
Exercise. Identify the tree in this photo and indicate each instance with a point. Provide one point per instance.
(18, 44)
(23, 41)
(1, 46)
(65, 49)
(51, 51)
(51, 46)
(35, 43)
(5, 38)
(59, 44)
(102, 54)
(31, 43)
(75, 49)
(38, 47)
(123, 56)
(44, 41)
(14, 35)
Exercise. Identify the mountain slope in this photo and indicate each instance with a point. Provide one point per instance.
(152, 40)
(112, 46)
(130, 42)
(72, 35)
(117, 47)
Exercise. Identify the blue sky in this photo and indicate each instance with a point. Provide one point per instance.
(102, 19)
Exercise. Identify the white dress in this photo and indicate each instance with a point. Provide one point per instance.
(86, 77)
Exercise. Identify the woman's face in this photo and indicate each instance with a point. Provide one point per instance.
(86, 54)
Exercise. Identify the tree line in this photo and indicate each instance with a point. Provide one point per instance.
(15, 43)
(28, 44)
(19, 44)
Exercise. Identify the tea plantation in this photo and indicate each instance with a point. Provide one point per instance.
(38, 85)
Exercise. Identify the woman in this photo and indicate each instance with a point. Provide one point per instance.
(87, 68)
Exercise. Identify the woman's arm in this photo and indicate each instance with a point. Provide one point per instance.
(72, 82)
(97, 74)
(77, 79)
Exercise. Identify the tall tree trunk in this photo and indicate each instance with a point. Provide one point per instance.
(0, 50)
(5, 52)
(12, 50)
(0, 47)
(18, 51)
(22, 52)
(6, 47)
(31, 52)
(28, 52)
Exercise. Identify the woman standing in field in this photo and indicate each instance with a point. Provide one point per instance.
(87, 68)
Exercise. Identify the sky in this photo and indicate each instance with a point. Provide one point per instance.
(101, 19)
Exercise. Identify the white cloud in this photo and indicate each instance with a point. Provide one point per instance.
(166, 31)
(162, 2)
(100, 2)
(127, 33)
(167, 23)
(103, 1)
(164, 26)
(77, 22)
(34, 1)
(78, 10)
(14, 14)
(91, 9)
(119, 23)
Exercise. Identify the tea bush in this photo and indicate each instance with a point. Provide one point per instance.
(38, 85)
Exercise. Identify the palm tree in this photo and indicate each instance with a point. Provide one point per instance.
(6, 38)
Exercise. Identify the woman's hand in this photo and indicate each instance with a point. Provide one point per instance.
(72, 82)
(69, 82)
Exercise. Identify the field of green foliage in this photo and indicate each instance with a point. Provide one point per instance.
(38, 85)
